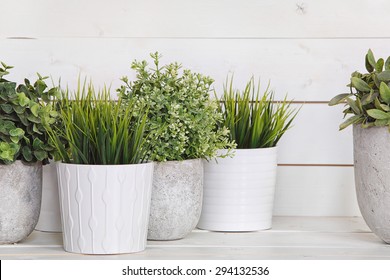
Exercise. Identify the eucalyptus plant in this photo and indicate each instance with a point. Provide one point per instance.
(369, 97)
(182, 119)
(94, 129)
(255, 119)
(25, 113)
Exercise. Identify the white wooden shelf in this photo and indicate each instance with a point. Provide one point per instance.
(290, 238)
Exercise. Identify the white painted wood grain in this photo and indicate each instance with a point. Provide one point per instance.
(315, 137)
(291, 238)
(313, 140)
(305, 69)
(201, 18)
(315, 191)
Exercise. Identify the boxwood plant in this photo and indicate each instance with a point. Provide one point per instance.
(25, 112)
(255, 119)
(182, 118)
(369, 97)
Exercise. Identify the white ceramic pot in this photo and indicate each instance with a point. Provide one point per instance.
(105, 208)
(50, 218)
(176, 199)
(372, 177)
(20, 200)
(239, 191)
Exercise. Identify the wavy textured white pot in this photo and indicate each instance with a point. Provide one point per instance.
(50, 218)
(239, 191)
(20, 200)
(372, 177)
(105, 208)
(176, 199)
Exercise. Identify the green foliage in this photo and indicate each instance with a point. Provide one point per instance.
(25, 112)
(369, 97)
(255, 120)
(182, 120)
(95, 130)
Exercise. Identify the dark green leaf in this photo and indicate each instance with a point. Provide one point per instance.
(338, 99)
(27, 154)
(360, 85)
(387, 64)
(354, 106)
(371, 60)
(384, 76)
(379, 65)
(40, 155)
(384, 92)
(378, 114)
(351, 120)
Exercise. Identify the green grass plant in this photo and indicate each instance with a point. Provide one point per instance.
(255, 119)
(94, 129)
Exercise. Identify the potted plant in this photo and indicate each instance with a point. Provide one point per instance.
(23, 148)
(369, 104)
(182, 122)
(239, 190)
(104, 176)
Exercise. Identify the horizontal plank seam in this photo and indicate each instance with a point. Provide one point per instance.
(269, 246)
(315, 165)
(202, 37)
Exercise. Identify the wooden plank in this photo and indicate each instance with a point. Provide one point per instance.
(210, 253)
(305, 69)
(316, 139)
(315, 191)
(202, 18)
(319, 224)
(291, 238)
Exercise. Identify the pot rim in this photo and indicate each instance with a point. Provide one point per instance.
(105, 165)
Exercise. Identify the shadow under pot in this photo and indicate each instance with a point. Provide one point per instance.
(49, 218)
(20, 200)
(176, 199)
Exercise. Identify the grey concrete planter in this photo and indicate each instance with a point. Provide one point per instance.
(176, 199)
(20, 200)
(372, 177)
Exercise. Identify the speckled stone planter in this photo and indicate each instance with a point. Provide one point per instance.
(20, 200)
(176, 199)
(372, 177)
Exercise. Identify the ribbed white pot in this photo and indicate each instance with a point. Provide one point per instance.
(239, 191)
(105, 208)
(50, 218)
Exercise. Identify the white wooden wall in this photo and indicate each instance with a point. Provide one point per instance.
(307, 48)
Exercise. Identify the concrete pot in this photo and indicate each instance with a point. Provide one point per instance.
(372, 177)
(239, 191)
(49, 218)
(20, 200)
(176, 199)
(105, 208)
